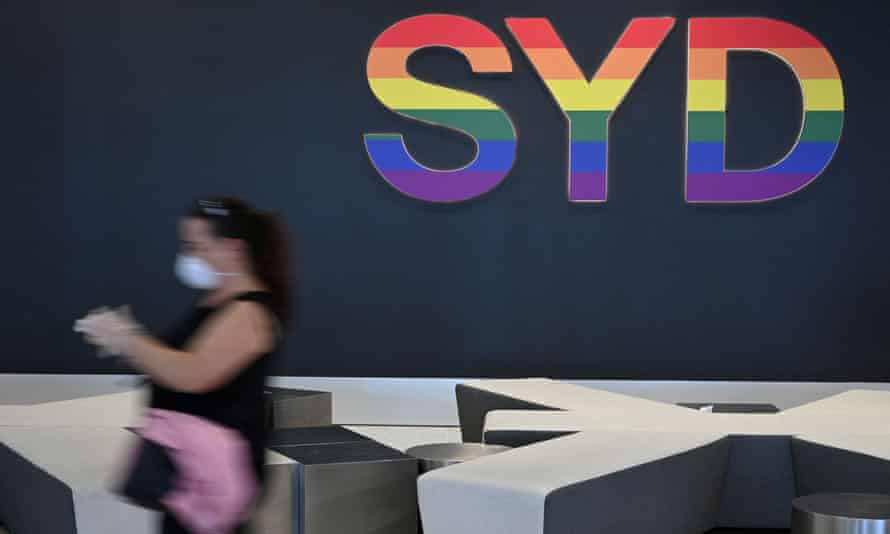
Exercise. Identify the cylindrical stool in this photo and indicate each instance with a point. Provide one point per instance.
(443, 454)
(841, 513)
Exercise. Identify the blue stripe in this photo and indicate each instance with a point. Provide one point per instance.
(390, 155)
(589, 156)
(807, 158)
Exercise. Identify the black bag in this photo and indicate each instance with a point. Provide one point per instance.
(150, 476)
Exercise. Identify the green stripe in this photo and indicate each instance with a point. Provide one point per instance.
(483, 124)
(819, 126)
(589, 125)
(706, 126)
(822, 126)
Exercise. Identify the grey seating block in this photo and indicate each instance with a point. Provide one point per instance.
(27, 493)
(822, 468)
(275, 511)
(679, 494)
(351, 485)
(294, 408)
(320, 435)
(759, 484)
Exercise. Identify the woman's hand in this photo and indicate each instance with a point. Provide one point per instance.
(110, 330)
(221, 348)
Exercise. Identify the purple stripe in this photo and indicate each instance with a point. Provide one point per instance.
(743, 186)
(587, 187)
(444, 186)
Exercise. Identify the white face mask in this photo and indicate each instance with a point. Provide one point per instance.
(196, 273)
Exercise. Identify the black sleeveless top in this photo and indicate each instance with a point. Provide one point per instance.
(238, 404)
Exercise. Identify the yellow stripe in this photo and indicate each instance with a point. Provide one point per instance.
(409, 93)
(707, 95)
(598, 95)
(823, 95)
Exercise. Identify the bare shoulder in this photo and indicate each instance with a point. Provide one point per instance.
(247, 322)
(250, 310)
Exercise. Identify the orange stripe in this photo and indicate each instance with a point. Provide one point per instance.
(809, 63)
(385, 62)
(707, 64)
(554, 64)
(624, 63)
(620, 64)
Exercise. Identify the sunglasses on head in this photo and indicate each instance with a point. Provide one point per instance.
(214, 207)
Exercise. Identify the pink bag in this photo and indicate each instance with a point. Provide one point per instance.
(214, 485)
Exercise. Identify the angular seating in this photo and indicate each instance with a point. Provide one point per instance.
(604, 462)
(622, 481)
(841, 464)
(62, 476)
(60, 460)
(476, 399)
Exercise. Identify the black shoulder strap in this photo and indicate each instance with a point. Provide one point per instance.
(265, 299)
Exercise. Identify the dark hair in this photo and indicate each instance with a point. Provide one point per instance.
(267, 242)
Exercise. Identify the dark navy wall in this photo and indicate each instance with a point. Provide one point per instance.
(119, 113)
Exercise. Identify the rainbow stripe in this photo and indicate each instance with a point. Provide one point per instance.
(477, 117)
(710, 39)
(588, 106)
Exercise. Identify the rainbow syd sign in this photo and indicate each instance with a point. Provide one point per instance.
(589, 104)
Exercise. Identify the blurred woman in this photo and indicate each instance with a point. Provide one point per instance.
(213, 364)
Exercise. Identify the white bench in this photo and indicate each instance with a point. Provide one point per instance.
(604, 462)
(61, 459)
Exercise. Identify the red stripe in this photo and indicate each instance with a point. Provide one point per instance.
(646, 32)
(748, 33)
(534, 33)
(442, 30)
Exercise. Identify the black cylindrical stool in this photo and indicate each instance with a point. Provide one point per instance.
(443, 454)
(841, 513)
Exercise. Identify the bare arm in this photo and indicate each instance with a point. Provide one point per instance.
(220, 349)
